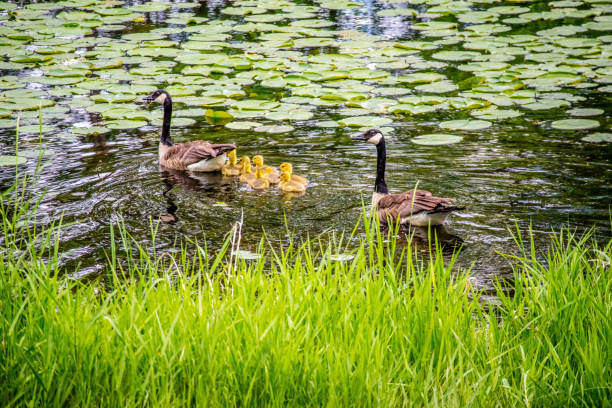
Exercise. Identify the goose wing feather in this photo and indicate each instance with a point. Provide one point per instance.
(193, 152)
(411, 202)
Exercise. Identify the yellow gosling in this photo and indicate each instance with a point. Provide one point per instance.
(273, 178)
(231, 168)
(246, 173)
(260, 182)
(288, 168)
(259, 162)
(288, 185)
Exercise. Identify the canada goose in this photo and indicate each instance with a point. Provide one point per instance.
(288, 168)
(288, 185)
(231, 168)
(195, 156)
(259, 182)
(415, 207)
(246, 173)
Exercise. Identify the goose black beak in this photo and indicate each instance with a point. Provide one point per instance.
(359, 137)
(148, 100)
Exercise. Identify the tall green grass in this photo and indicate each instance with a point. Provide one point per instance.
(297, 327)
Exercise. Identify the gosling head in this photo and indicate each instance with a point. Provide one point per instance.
(286, 168)
(159, 96)
(285, 177)
(232, 156)
(245, 162)
(258, 160)
(373, 136)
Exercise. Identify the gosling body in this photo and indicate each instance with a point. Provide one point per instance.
(290, 186)
(246, 172)
(232, 168)
(259, 182)
(288, 168)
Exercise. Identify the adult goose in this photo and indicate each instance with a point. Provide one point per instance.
(415, 207)
(198, 155)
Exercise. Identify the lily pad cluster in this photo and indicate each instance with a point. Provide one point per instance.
(266, 65)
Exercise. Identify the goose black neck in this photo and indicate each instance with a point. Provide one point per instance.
(380, 186)
(165, 135)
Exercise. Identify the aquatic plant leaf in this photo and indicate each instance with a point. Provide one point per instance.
(465, 124)
(274, 129)
(365, 121)
(7, 160)
(125, 124)
(255, 104)
(242, 125)
(586, 112)
(435, 139)
(91, 130)
(598, 138)
(218, 114)
(575, 124)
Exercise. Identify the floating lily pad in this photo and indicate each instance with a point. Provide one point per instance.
(274, 128)
(456, 55)
(255, 104)
(242, 125)
(7, 160)
(496, 114)
(465, 124)
(365, 121)
(126, 124)
(246, 255)
(575, 124)
(327, 124)
(435, 139)
(598, 138)
(586, 112)
(92, 130)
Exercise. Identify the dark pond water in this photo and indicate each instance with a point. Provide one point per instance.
(519, 170)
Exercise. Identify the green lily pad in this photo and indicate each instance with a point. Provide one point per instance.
(289, 115)
(92, 130)
(598, 138)
(274, 129)
(126, 124)
(437, 87)
(456, 55)
(465, 124)
(495, 114)
(218, 114)
(365, 121)
(586, 112)
(6, 160)
(575, 124)
(242, 125)
(435, 139)
(255, 104)
(327, 124)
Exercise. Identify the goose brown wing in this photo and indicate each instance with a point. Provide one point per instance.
(193, 152)
(411, 202)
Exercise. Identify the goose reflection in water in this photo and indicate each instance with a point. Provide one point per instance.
(202, 182)
(424, 237)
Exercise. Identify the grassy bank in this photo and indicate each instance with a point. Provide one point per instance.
(297, 327)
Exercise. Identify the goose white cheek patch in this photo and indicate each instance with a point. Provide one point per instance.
(375, 139)
(161, 98)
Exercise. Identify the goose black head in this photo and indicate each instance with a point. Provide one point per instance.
(373, 136)
(158, 96)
